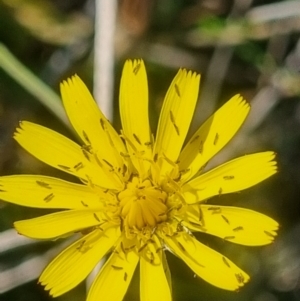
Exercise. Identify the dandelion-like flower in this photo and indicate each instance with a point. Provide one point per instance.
(139, 194)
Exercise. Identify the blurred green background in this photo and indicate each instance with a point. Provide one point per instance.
(250, 47)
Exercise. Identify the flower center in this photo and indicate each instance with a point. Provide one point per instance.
(142, 204)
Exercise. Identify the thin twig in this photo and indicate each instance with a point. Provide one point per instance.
(104, 54)
(29, 269)
(105, 19)
(10, 239)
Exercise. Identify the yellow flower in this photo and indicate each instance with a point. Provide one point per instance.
(139, 195)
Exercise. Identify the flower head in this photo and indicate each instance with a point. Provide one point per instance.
(139, 194)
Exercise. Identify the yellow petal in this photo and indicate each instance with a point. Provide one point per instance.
(233, 176)
(62, 153)
(73, 265)
(90, 123)
(208, 264)
(213, 135)
(153, 283)
(238, 225)
(46, 192)
(175, 118)
(134, 114)
(57, 224)
(113, 280)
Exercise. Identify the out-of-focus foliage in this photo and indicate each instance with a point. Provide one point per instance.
(250, 47)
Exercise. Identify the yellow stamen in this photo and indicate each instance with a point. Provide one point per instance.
(142, 204)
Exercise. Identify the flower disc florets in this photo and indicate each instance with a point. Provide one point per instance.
(143, 204)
